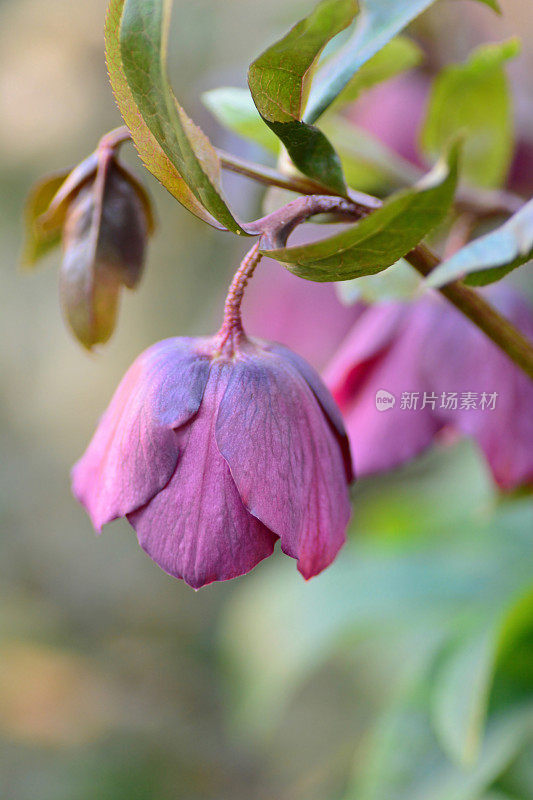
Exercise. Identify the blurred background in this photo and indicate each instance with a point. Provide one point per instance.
(405, 672)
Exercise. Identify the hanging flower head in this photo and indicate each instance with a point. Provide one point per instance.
(214, 448)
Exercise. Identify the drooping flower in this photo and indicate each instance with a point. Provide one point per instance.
(407, 371)
(214, 449)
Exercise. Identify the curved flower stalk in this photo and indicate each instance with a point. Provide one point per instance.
(214, 448)
(406, 372)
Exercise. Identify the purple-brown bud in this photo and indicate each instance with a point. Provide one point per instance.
(102, 215)
(104, 242)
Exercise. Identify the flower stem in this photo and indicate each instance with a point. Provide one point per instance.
(231, 333)
(278, 226)
(481, 313)
(113, 139)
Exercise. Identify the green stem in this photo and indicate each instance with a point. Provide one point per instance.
(277, 227)
(469, 302)
(481, 202)
(482, 314)
(293, 183)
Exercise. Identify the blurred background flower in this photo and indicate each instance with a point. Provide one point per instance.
(371, 682)
(409, 373)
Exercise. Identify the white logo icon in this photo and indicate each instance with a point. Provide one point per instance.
(384, 400)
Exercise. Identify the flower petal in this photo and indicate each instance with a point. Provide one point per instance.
(135, 448)
(322, 394)
(369, 339)
(382, 354)
(197, 527)
(285, 459)
(503, 427)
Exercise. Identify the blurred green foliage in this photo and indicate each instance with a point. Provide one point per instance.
(404, 672)
(473, 99)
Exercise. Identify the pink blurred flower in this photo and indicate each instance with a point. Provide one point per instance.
(307, 317)
(393, 112)
(408, 371)
(213, 456)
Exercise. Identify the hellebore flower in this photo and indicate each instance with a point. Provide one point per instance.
(215, 448)
(408, 371)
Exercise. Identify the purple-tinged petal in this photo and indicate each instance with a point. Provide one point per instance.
(382, 354)
(197, 527)
(285, 459)
(134, 451)
(495, 399)
(368, 340)
(322, 394)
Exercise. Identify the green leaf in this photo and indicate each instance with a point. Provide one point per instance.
(311, 153)
(473, 97)
(381, 238)
(492, 256)
(279, 81)
(377, 23)
(234, 107)
(404, 761)
(169, 143)
(398, 55)
(38, 241)
(366, 159)
(235, 110)
(280, 77)
(398, 282)
(461, 694)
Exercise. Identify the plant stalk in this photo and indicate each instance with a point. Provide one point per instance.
(280, 224)
(475, 307)
(231, 333)
(277, 227)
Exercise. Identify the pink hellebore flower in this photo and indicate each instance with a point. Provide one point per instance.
(408, 371)
(215, 448)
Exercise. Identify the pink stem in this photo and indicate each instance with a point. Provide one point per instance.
(231, 333)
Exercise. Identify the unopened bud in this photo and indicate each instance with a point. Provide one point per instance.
(104, 242)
